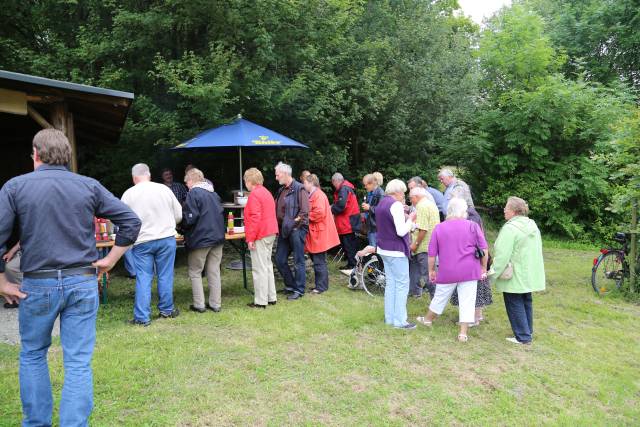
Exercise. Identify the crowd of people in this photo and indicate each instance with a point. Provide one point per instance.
(434, 244)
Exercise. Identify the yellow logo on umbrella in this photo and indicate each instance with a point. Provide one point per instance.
(264, 140)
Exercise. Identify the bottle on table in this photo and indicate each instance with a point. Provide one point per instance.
(230, 223)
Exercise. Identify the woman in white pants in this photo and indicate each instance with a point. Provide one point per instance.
(457, 243)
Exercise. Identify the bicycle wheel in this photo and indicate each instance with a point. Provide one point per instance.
(608, 273)
(372, 277)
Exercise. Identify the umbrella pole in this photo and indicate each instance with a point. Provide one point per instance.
(240, 152)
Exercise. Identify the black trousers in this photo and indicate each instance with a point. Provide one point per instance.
(320, 271)
(349, 244)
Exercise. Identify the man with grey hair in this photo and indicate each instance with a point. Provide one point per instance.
(346, 213)
(427, 217)
(416, 182)
(55, 209)
(454, 187)
(292, 213)
(160, 211)
(436, 195)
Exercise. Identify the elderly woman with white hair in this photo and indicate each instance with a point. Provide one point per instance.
(461, 249)
(394, 243)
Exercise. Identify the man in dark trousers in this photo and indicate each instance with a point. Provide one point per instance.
(292, 213)
(55, 209)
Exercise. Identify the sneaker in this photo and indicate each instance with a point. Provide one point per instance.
(272, 302)
(139, 322)
(316, 292)
(197, 309)
(175, 313)
(515, 341)
(253, 305)
(294, 296)
(214, 309)
(408, 326)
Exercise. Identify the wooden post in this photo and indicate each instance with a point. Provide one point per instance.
(633, 252)
(62, 120)
(71, 136)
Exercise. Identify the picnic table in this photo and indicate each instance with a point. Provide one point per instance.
(236, 240)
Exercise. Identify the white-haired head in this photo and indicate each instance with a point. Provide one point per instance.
(419, 192)
(457, 208)
(284, 168)
(445, 172)
(141, 169)
(395, 186)
(337, 177)
(446, 177)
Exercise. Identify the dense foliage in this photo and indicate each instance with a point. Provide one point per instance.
(540, 103)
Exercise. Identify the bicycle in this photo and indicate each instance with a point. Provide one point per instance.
(611, 267)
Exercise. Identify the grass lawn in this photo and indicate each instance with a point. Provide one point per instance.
(330, 360)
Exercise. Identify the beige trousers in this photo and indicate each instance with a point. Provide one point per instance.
(12, 269)
(264, 284)
(198, 260)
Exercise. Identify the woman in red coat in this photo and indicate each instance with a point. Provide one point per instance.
(322, 234)
(260, 227)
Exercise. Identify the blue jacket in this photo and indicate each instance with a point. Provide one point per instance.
(376, 196)
(202, 219)
(54, 209)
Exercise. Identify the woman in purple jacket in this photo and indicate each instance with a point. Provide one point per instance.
(393, 247)
(456, 242)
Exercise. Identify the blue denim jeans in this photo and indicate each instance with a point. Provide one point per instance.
(396, 270)
(130, 262)
(159, 254)
(372, 239)
(294, 243)
(520, 312)
(75, 300)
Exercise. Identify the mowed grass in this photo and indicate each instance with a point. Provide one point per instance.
(330, 360)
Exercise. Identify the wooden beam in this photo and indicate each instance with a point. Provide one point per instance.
(71, 136)
(44, 99)
(13, 102)
(38, 118)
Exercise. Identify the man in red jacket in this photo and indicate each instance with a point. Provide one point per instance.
(261, 228)
(347, 217)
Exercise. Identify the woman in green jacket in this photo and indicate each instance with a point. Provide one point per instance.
(518, 267)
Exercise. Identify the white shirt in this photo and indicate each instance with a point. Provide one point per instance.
(402, 228)
(157, 207)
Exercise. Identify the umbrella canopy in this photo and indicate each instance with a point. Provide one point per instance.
(242, 134)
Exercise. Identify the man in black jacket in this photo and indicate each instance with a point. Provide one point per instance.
(203, 222)
(292, 212)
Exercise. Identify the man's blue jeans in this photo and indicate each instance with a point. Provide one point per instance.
(294, 243)
(130, 262)
(396, 270)
(160, 254)
(75, 299)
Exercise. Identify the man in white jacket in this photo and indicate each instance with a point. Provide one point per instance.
(159, 211)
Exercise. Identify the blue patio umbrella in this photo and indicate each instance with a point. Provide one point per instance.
(240, 133)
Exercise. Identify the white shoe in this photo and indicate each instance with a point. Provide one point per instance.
(513, 340)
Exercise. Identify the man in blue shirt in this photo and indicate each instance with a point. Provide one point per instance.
(55, 210)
